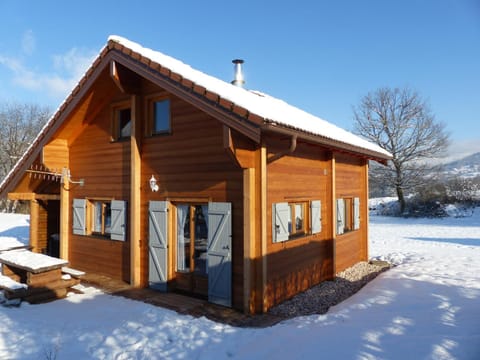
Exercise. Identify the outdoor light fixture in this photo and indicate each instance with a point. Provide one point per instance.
(153, 184)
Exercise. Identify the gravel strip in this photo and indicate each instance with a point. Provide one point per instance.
(318, 299)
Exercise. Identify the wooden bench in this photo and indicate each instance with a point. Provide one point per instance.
(12, 289)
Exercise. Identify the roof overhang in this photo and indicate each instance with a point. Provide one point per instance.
(326, 142)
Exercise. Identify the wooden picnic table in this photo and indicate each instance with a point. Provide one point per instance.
(41, 273)
(30, 261)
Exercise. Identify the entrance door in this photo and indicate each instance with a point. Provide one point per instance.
(191, 248)
(203, 251)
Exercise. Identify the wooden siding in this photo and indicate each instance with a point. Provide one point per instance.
(351, 247)
(55, 155)
(192, 164)
(105, 167)
(297, 264)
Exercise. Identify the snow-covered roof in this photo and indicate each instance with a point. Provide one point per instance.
(272, 112)
(270, 109)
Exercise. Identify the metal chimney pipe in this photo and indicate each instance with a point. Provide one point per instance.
(238, 79)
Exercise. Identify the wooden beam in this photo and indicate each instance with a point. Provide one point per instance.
(334, 213)
(34, 215)
(262, 214)
(135, 191)
(32, 196)
(64, 220)
(365, 211)
(249, 227)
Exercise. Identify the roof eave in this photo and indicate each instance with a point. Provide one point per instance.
(336, 145)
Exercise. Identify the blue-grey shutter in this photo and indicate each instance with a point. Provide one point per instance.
(118, 219)
(79, 216)
(316, 216)
(157, 244)
(219, 253)
(340, 216)
(356, 213)
(280, 222)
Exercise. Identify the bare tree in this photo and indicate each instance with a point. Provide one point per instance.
(400, 121)
(19, 125)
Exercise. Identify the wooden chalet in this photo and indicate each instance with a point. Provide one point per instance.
(159, 175)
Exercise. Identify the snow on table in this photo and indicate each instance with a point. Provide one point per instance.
(29, 261)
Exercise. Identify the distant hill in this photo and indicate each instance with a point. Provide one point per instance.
(467, 167)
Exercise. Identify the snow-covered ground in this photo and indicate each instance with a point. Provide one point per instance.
(427, 307)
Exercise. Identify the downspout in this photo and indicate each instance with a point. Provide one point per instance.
(290, 150)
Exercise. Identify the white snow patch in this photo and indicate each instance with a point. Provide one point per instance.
(424, 308)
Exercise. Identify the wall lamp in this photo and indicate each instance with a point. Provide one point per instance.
(153, 184)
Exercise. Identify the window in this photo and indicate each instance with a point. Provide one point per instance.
(106, 218)
(122, 122)
(348, 215)
(101, 217)
(158, 110)
(295, 219)
(161, 117)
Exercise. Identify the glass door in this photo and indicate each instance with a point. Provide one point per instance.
(191, 248)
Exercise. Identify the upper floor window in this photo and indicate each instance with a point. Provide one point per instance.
(158, 112)
(125, 122)
(122, 121)
(161, 117)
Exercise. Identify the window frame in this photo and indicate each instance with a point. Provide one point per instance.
(294, 231)
(151, 118)
(351, 217)
(92, 215)
(288, 210)
(116, 111)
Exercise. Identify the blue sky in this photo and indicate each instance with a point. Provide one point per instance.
(321, 56)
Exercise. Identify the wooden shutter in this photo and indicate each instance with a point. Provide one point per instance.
(219, 253)
(79, 216)
(340, 216)
(316, 216)
(280, 220)
(356, 213)
(157, 244)
(118, 225)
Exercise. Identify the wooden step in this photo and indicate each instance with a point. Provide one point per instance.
(73, 272)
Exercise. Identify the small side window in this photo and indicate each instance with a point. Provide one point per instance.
(348, 214)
